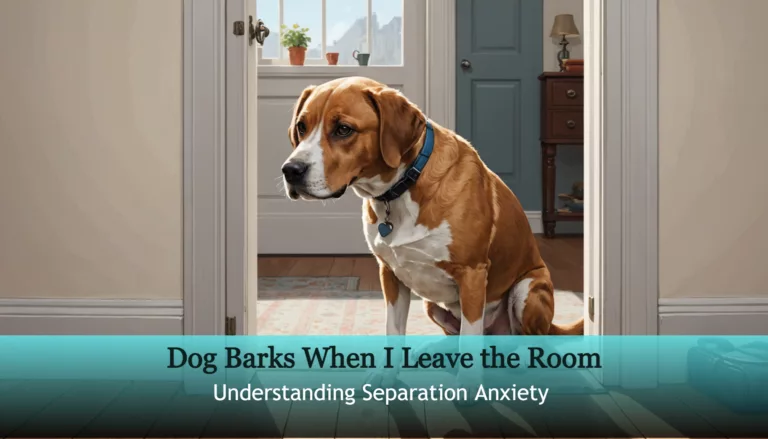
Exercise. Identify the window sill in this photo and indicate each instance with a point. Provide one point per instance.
(319, 70)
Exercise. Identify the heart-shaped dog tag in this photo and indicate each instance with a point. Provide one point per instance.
(385, 229)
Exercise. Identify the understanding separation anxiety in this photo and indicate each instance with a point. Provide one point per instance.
(388, 395)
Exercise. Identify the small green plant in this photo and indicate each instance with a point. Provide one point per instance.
(296, 36)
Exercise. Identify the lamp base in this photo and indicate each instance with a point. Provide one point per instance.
(563, 54)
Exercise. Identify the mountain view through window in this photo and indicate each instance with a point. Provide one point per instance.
(346, 28)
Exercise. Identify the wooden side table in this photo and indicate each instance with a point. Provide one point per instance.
(562, 123)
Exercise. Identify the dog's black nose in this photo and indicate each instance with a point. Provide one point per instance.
(294, 171)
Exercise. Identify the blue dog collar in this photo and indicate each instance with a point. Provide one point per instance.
(407, 180)
(414, 171)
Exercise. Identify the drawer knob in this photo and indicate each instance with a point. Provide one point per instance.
(571, 93)
(570, 124)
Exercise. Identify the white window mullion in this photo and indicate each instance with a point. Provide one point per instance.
(323, 42)
(369, 36)
(280, 8)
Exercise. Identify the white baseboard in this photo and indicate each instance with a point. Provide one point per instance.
(534, 219)
(713, 316)
(291, 233)
(90, 317)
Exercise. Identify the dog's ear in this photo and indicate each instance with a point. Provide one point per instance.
(292, 134)
(400, 123)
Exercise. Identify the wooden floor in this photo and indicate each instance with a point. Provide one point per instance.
(172, 413)
(564, 255)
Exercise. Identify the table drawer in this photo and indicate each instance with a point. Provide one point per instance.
(566, 93)
(565, 125)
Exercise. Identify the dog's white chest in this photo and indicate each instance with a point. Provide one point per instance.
(412, 250)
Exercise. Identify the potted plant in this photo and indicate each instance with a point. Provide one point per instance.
(296, 40)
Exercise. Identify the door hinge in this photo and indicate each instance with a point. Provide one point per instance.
(591, 308)
(230, 326)
(238, 28)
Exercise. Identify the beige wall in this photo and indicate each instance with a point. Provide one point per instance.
(551, 45)
(713, 185)
(91, 149)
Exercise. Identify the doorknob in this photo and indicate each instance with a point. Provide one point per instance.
(258, 32)
(465, 64)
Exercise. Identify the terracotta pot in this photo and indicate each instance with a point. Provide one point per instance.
(332, 57)
(297, 55)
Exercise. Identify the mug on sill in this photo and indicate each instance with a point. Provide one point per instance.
(362, 58)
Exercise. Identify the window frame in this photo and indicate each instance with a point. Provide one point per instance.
(282, 59)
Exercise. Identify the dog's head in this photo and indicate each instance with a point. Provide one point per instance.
(349, 132)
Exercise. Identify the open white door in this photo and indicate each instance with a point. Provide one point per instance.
(241, 80)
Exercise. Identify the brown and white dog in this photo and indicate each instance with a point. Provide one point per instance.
(460, 239)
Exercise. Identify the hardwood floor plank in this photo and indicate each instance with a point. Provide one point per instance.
(407, 419)
(312, 419)
(262, 419)
(448, 419)
(186, 416)
(586, 416)
(363, 418)
(367, 269)
(565, 261)
(68, 414)
(279, 265)
(342, 266)
(656, 418)
(278, 411)
(562, 254)
(723, 419)
(519, 420)
(300, 419)
(311, 266)
(23, 402)
(142, 402)
(271, 266)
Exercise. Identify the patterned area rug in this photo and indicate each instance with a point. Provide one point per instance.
(334, 306)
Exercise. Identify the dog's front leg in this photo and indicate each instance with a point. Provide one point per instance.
(472, 282)
(398, 301)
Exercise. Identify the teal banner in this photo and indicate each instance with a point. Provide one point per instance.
(366, 386)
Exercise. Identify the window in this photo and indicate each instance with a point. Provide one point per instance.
(341, 26)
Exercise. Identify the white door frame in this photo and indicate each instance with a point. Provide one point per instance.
(621, 158)
(204, 151)
(621, 241)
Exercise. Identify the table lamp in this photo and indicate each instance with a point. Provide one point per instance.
(564, 26)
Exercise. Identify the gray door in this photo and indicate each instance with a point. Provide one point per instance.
(497, 89)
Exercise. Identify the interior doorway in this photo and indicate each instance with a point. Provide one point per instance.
(620, 242)
(328, 284)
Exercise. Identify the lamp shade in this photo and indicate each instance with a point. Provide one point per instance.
(564, 26)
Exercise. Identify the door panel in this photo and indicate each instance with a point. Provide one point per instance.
(497, 96)
(497, 104)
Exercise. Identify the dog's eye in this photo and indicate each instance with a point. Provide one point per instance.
(301, 128)
(343, 131)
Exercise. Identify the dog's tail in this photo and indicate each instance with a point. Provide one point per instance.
(575, 328)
